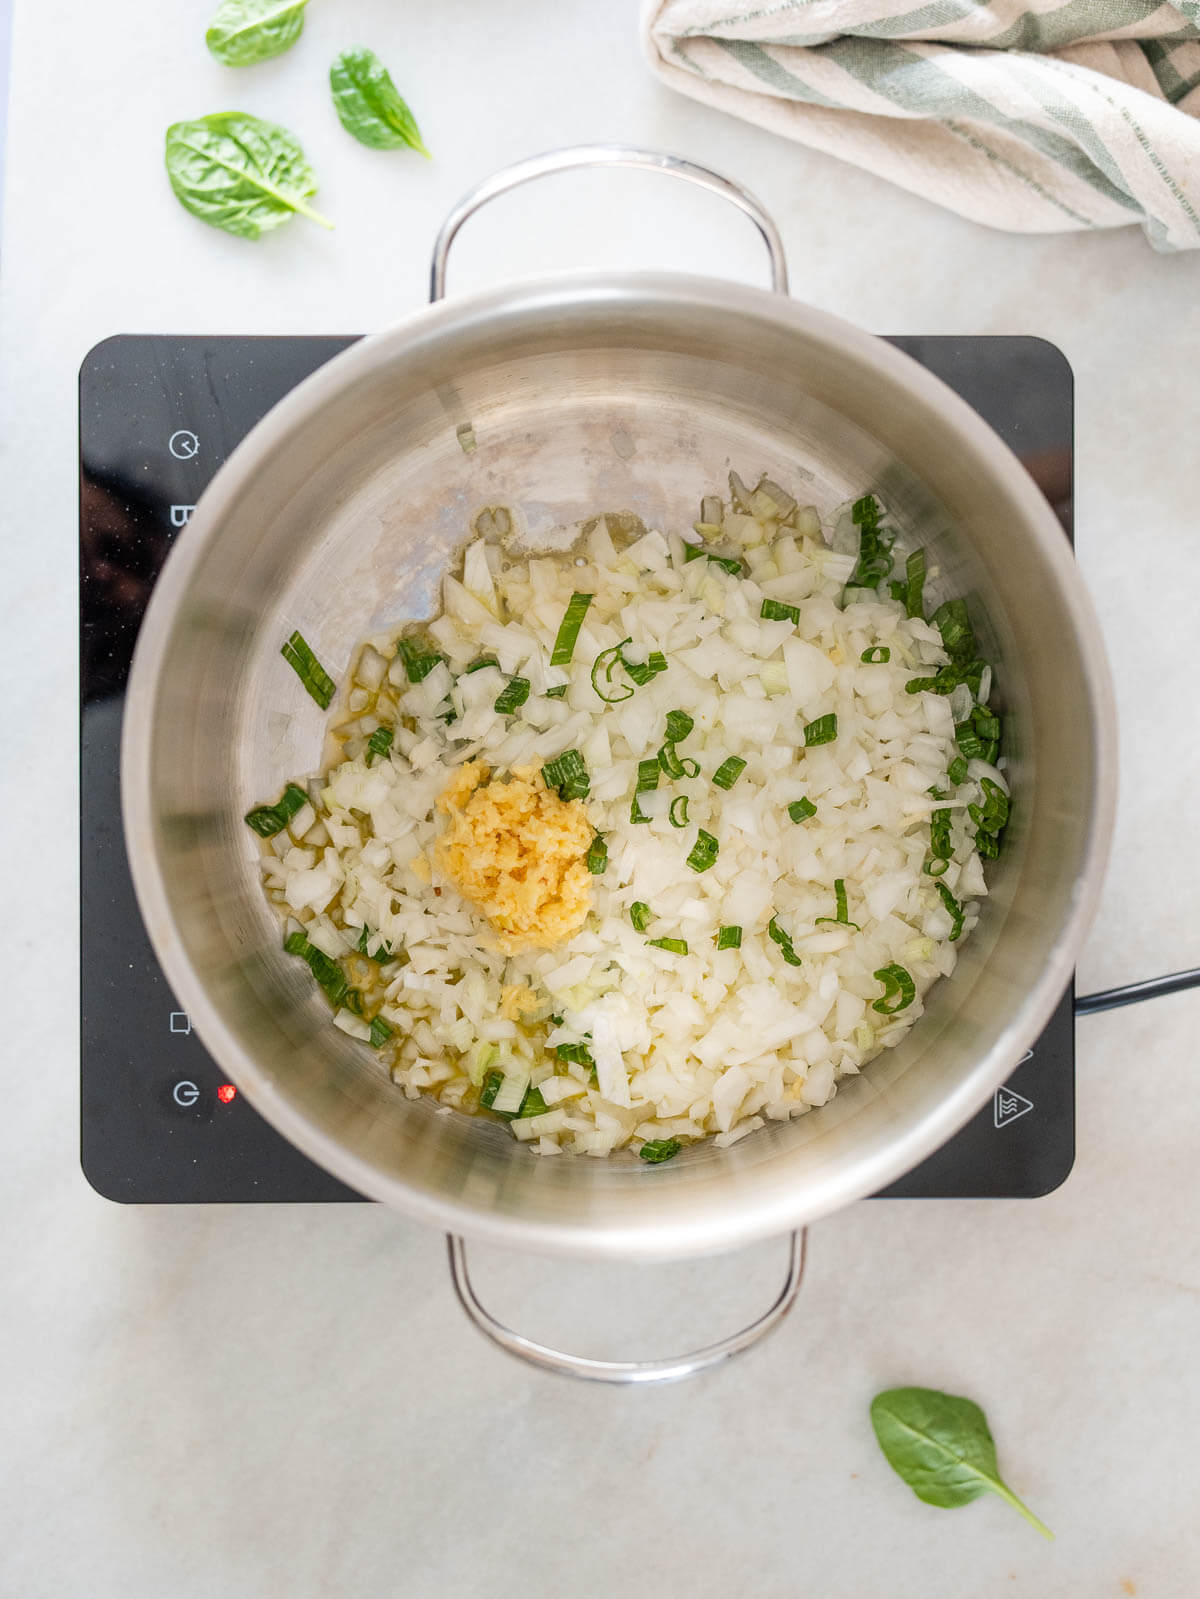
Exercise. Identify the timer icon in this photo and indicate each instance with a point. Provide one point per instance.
(183, 444)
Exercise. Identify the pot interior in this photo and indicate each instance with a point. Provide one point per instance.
(338, 516)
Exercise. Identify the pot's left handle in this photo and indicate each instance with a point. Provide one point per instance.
(670, 1369)
(606, 155)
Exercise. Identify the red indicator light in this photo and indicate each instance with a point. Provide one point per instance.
(227, 1093)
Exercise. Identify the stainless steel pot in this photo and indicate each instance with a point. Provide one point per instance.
(630, 391)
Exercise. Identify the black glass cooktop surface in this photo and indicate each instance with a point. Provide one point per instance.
(157, 416)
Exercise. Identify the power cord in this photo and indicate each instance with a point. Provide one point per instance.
(1133, 993)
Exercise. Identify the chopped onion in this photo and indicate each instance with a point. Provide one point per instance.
(676, 1034)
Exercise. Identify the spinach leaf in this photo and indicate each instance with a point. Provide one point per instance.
(244, 32)
(369, 104)
(237, 172)
(941, 1446)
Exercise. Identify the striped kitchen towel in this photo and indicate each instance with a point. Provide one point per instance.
(1032, 115)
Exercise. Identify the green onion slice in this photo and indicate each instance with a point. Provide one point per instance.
(914, 584)
(568, 629)
(990, 819)
(596, 859)
(363, 946)
(955, 909)
(778, 936)
(954, 624)
(899, 990)
(842, 918)
(642, 671)
(957, 770)
(776, 611)
(987, 727)
(726, 562)
(640, 915)
(557, 692)
(677, 815)
(309, 670)
(940, 846)
(729, 938)
(568, 774)
(418, 660)
(839, 891)
(727, 774)
(874, 548)
(997, 798)
(671, 763)
(603, 668)
(379, 743)
(513, 697)
(822, 731)
(800, 810)
(380, 1032)
(704, 851)
(328, 973)
(267, 820)
(877, 655)
(676, 765)
(647, 776)
(480, 664)
(656, 1150)
(532, 1105)
(679, 725)
(947, 679)
(580, 1054)
(674, 946)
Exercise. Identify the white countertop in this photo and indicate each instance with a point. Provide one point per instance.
(285, 1401)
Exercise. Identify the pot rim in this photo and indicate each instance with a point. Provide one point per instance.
(764, 1215)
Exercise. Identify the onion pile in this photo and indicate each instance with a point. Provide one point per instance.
(767, 914)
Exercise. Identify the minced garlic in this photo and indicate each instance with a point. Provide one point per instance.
(516, 850)
(516, 1001)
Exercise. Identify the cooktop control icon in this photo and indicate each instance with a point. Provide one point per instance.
(1008, 1106)
(183, 444)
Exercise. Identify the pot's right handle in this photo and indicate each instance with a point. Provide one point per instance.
(605, 155)
(670, 1369)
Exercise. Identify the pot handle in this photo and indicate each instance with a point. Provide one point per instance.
(639, 1372)
(605, 155)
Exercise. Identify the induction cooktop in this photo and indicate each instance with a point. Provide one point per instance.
(158, 414)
